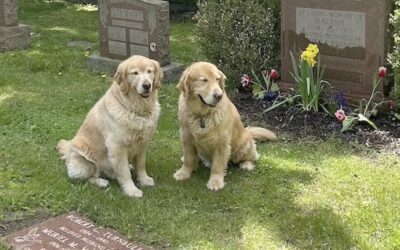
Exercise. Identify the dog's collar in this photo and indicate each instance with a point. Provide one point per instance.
(204, 102)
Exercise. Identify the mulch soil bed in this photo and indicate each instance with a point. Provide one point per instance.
(293, 121)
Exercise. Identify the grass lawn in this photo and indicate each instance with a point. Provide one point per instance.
(303, 194)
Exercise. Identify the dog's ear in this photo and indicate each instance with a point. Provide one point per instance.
(158, 74)
(120, 78)
(222, 79)
(183, 84)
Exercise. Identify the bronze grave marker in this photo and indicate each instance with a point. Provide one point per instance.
(70, 231)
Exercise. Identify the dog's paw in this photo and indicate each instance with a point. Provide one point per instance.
(133, 192)
(182, 174)
(216, 183)
(247, 165)
(99, 182)
(146, 181)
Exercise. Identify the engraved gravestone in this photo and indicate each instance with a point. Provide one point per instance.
(12, 35)
(350, 35)
(70, 231)
(134, 27)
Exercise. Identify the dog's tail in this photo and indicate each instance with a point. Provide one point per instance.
(261, 134)
(63, 147)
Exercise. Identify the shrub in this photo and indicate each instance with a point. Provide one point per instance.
(83, 1)
(183, 2)
(239, 36)
(186, 2)
(394, 57)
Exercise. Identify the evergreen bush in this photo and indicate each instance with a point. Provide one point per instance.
(240, 36)
(394, 57)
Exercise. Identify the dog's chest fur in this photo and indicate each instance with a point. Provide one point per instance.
(206, 129)
(132, 128)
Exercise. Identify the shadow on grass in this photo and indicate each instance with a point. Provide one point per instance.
(260, 209)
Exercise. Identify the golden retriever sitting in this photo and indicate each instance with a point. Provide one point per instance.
(211, 128)
(118, 129)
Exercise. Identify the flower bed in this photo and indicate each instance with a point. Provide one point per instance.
(297, 123)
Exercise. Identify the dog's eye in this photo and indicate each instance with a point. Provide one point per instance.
(135, 72)
(205, 80)
(149, 71)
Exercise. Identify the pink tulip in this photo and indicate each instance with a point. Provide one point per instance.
(382, 72)
(340, 115)
(392, 104)
(245, 80)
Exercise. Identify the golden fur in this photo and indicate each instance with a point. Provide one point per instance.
(211, 128)
(118, 129)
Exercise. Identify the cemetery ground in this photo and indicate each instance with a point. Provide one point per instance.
(305, 192)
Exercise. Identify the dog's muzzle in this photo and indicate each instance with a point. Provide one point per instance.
(146, 87)
(205, 103)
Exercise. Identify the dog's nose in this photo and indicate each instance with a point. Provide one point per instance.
(217, 96)
(146, 86)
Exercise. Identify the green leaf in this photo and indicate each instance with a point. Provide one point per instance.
(275, 105)
(397, 115)
(256, 90)
(274, 87)
(363, 118)
(256, 77)
(261, 95)
(361, 105)
(348, 123)
(294, 64)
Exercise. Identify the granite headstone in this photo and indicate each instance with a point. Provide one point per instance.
(351, 36)
(134, 27)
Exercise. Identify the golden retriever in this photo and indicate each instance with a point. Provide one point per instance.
(211, 128)
(118, 129)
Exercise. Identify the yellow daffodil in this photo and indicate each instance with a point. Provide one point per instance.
(313, 48)
(308, 57)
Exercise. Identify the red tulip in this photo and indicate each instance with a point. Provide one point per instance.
(382, 72)
(340, 115)
(274, 74)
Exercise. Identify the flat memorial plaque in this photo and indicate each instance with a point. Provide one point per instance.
(70, 231)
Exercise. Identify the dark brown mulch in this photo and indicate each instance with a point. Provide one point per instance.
(294, 121)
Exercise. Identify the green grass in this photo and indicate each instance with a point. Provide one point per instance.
(304, 194)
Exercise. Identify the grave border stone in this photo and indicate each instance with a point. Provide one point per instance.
(12, 35)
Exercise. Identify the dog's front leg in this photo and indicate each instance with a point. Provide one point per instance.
(218, 168)
(190, 160)
(118, 156)
(140, 164)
